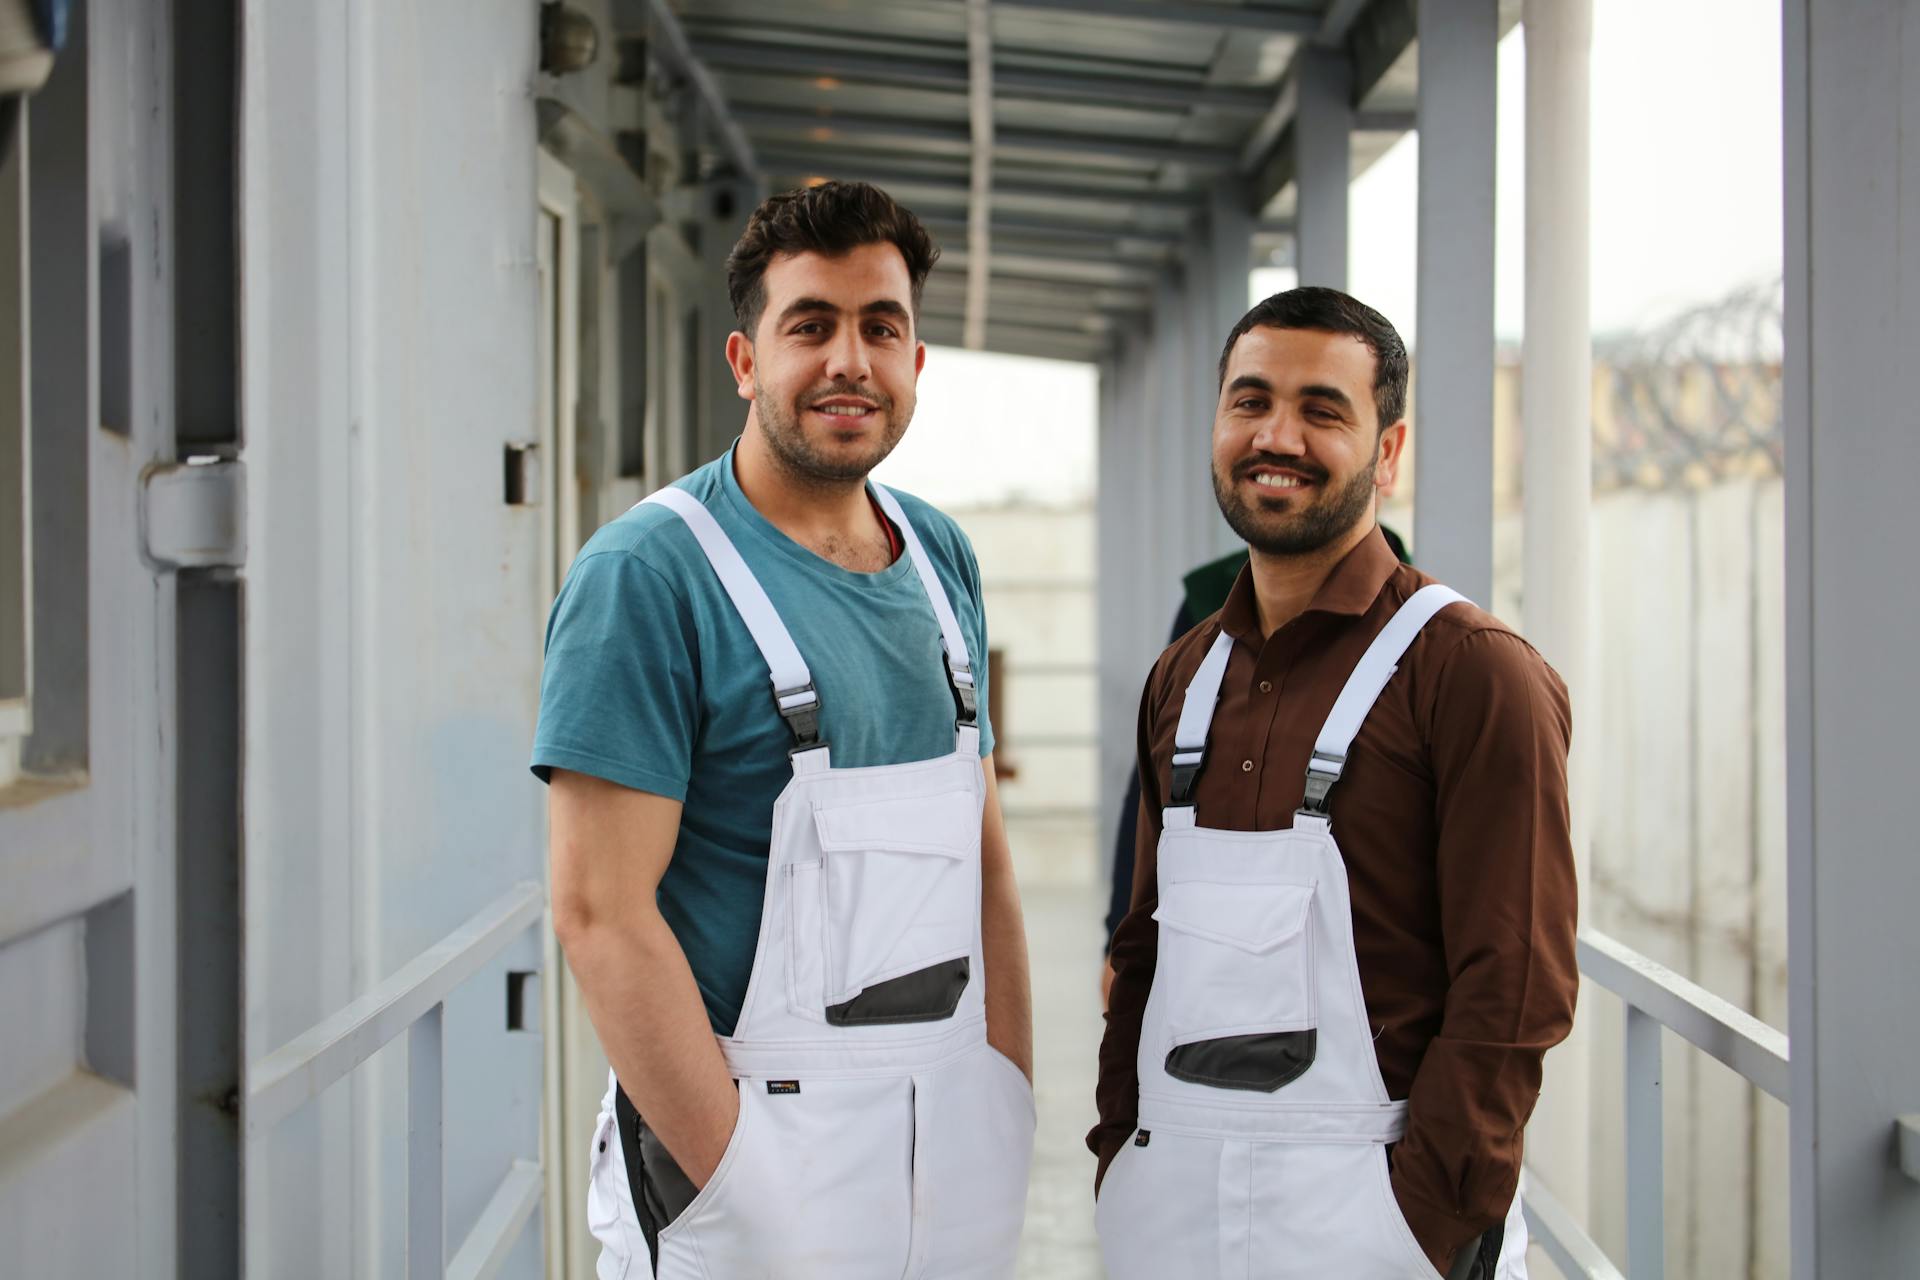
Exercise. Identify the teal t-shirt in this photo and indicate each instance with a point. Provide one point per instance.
(653, 681)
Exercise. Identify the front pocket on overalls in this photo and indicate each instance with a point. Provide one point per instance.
(1235, 975)
(900, 902)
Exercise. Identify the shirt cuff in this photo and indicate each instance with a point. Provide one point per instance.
(1105, 1142)
(1439, 1232)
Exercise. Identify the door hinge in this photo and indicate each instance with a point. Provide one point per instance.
(193, 515)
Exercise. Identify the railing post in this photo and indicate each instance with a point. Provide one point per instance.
(1646, 1179)
(426, 1210)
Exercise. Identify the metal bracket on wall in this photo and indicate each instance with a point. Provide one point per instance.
(1909, 1133)
(193, 515)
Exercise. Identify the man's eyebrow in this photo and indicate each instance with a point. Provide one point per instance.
(1250, 382)
(885, 307)
(807, 306)
(1321, 391)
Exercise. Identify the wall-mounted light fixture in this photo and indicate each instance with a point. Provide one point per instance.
(569, 41)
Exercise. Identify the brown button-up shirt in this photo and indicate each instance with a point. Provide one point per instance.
(1451, 815)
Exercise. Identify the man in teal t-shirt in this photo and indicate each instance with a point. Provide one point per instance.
(665, 751)
(653, 682)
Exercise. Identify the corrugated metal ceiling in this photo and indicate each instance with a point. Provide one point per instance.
(1113, 121)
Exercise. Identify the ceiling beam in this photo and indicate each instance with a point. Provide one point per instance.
(1037, 266)
(1338, 19)
(670, 46)
(1074, 232)
(1245, 17)
(948, 290)
(950, 75)
(836, 163)
(980, 185)
(836, 127)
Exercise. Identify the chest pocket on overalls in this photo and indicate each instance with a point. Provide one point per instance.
(1236, 969)
(891, 908)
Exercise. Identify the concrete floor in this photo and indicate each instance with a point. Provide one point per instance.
(1063, 935)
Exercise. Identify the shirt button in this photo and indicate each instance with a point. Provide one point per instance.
(1246, 766)
(1266, 686)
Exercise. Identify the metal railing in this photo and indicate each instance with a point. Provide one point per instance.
(1657, 998)
(413, 1000)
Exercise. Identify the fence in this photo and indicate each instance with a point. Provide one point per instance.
(1657, 999)
(412, 1001)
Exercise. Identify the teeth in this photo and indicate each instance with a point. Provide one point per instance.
(1277, 482)
(844, 410)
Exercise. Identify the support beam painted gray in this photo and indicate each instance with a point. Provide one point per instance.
(980, 185)
(1322, 132)
(1557, 395)
(1852, 444)
(670, 44)
(1453, 417)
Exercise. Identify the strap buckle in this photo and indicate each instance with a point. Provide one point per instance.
(1323, 770)
(1186, 770)
(966, 699)
(800, 708)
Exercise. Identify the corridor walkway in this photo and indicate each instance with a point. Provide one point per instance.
(1063, 933)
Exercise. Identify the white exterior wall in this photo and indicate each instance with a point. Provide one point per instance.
(395, 604)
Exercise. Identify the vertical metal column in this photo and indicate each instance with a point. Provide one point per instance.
(1556, 390)
(426, 1153)
(1323, 165)
(1852, 448)
(1230, 260)
(1646, 1181)
(1453, 420)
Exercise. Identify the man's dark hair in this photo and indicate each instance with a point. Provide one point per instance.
(1331, 311)
(832, 218)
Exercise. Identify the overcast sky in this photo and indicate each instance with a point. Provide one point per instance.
(1686, 207)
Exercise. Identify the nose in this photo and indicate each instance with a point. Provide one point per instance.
(1283, 432)
(847, 355)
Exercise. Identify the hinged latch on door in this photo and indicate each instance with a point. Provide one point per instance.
(194, 514)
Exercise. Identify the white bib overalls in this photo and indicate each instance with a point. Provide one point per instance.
(879, 1137)
(1260, 1152)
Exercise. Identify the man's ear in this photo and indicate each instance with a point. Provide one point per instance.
(740, 360)
(1392, 447)
(919, 358)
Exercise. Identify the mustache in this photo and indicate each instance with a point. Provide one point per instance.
(1312, 471)
(843, 389)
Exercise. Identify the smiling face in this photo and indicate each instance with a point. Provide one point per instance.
(833, 362)
(1298, 452)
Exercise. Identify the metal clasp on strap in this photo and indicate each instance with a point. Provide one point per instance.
(1186, 769)
(800, 708)
(966, 699)
(1323, 770)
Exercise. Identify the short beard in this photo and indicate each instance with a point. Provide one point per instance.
(802, 461)
(1313, 529)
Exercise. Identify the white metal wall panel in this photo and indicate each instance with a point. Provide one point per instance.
(396, 602)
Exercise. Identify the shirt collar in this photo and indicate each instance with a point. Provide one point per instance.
(1350, 590)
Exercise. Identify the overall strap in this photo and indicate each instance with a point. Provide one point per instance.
(1363, 687)
(1196, 718)
(793, 692)
(966, 702)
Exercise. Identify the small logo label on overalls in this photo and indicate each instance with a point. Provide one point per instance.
(1142, 1138)
(783, 1086)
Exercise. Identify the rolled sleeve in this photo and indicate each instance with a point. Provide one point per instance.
(1499, 729)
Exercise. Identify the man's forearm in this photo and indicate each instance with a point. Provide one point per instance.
(1003, 940)
(1009, 993)
(641, 996)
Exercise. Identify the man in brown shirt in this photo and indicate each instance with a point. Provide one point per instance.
(1450, 807)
